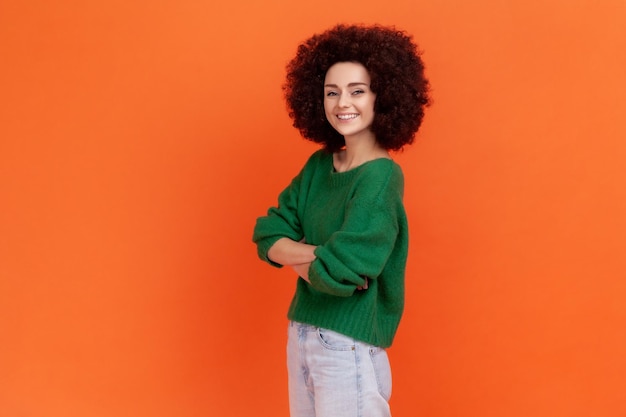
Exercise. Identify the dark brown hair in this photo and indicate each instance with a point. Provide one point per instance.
(397, 77)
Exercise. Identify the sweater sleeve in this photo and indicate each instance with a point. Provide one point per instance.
(280, 221)
(362, 246)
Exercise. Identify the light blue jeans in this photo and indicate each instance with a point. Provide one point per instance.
(332, 375)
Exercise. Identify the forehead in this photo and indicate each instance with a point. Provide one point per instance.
(343, 73)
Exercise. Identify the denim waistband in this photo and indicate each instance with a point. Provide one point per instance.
(304, 326)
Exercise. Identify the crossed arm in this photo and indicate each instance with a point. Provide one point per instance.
(297, 255)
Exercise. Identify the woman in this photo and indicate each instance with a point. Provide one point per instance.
(360, 92)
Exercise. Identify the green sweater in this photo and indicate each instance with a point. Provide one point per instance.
(358, 223)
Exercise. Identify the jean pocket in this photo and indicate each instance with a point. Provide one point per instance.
(382, 370)
(335, 341)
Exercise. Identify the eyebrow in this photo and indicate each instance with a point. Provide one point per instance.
(349, 85)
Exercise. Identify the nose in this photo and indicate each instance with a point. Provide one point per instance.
(344, 100)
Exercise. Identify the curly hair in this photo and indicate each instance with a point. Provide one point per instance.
(397, 78)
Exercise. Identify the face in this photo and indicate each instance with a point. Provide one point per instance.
(348, 99)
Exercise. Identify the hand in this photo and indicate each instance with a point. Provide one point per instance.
(364, 286)
(302, 270)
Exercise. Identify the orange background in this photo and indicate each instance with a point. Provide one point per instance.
(140, 140)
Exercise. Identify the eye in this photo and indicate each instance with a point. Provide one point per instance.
(331, 94)
(357, 92)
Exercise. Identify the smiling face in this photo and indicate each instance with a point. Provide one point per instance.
(348, 99)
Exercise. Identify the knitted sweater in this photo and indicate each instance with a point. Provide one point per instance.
(358, 223)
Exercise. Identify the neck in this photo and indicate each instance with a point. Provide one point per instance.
(358, 150)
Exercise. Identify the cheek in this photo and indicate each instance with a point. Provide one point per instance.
(372, 104)
(327, 107)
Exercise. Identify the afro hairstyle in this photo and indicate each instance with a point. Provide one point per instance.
(396, 70)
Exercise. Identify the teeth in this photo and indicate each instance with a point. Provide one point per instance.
(347, 116)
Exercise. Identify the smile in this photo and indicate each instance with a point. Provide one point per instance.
(347, 116)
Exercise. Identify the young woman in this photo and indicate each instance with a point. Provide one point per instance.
(360, 92)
